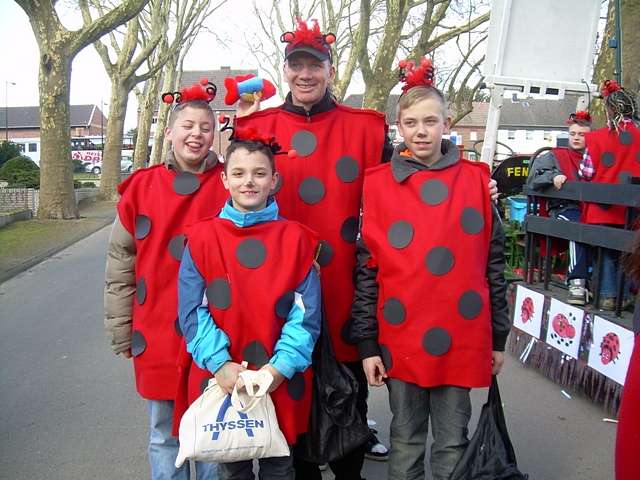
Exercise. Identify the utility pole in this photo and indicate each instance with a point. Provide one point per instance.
(6, 109)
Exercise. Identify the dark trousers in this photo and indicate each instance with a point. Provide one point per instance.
(272, 468)
(578, 252)
(349, 466)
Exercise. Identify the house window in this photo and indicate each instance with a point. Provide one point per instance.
(473, 136)
(33, 147)
(20, 147)
(547, 136)
(511, 134)
(529, 134)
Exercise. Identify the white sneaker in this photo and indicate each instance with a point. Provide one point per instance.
(577, 292)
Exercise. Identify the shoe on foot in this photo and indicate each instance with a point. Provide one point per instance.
(609, 303)
(375, 449)
(577, 292)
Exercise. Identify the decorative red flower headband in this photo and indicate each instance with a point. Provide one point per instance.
(579, 116)
(609, 87)
(250, 134)
(416, 76)
(203, 90)
(312, 37)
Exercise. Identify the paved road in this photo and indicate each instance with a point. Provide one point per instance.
(68, 408)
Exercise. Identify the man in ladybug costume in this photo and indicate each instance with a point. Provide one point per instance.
(554, 168)
(143, 257)
(611, 156)
(430, 315)
(249, 291)
(322, 188)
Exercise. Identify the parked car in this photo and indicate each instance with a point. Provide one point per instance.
(126, 165)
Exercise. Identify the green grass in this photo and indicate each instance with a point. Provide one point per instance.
(85, 177)
(27, 237)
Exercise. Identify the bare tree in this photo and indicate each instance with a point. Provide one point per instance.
(58, 47)
(379, 72)
(149, 102)
(605, 67)
(373, 36)
(333, 16)
(138, 45)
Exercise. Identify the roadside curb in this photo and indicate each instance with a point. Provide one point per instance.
(36, 259)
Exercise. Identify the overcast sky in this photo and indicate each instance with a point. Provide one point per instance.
(89, 82)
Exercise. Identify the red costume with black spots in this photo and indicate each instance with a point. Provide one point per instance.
(156, 206)
(615, 157)
(246, 309)
(321, 187)
(628, 434)
(433, 306)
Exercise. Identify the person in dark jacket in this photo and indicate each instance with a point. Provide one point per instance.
(555, 168)
(430, 316)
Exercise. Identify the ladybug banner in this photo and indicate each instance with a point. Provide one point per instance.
(565, 327)
(527, 312)
(611, 349)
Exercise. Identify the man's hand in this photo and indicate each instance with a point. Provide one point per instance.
(493, 190)
(558, 180)
(278, 378)
(127, 353)
(247, 108)
(227, 375)
(497, 360)
(374, 370)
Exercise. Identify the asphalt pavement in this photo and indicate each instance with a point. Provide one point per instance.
(69, 410)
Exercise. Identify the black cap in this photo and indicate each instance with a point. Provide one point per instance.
(301, 48)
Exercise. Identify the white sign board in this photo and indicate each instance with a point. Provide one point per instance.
(544, 46)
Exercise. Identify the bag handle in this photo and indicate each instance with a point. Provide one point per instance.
(249, 379)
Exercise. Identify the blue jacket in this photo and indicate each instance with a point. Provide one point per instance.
(209, 345)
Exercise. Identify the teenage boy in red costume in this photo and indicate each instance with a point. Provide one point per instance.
(143, 257)
(248, 290)
(322, 188)
(430, 315)
(555, 168)
(611, 156)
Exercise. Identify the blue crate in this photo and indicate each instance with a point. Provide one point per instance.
(517, 208)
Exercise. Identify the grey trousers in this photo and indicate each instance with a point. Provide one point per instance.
(449, 409)
(272, 468)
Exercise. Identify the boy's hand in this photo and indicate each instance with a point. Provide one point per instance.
(497, 360)
(278, 378)
(558, 180)
(247, 108)
(493, 190)
(374, 370)
(227, 375)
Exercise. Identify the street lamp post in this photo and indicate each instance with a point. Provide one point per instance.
(102, 105)
(6, 109)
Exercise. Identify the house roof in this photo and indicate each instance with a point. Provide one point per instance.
(536, 113)
(525, 113)
(29, 117)
(189, 77)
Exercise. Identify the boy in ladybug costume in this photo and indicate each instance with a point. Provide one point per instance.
(555, 168)
(249, 291)
(143, 257)
(430, 315)
(611, 156)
